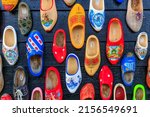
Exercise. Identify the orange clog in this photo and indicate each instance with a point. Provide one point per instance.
(76, 22)
(9, 5)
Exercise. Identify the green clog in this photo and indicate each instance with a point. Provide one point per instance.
(139, 92)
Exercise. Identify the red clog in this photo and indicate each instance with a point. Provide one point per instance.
(6, 97)
(59, 46)
(115, 41)
(53, 88)
(106, 82)
(87, 92)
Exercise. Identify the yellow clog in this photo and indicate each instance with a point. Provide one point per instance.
(92, 55)
(76, 22)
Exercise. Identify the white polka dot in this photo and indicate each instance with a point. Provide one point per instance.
(62, 57)
(100, 80)
(55, 52)
(63, 50)
(108, 75)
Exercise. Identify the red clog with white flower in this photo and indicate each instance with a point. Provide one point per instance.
(106, 82)
(115, 41)
(53, 88)
(59, 46)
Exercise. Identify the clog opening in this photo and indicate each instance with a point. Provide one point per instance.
(92, 47)
(9, 38)
(105, 90)
(129, 77)
(115, 31)
(20, 77)
(46, 4)
(72, 65)
(139, 94)
(60, 39)
(77, 34)
(52, 80)
(37, 95)
(36, 63)
(119, 94)
(136, 5)
(98, 4)
(143, 40)
(23, 11)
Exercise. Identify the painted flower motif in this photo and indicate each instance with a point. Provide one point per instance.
(11, 55)
(97, 20)
(138, 16)
(72, 82)
(141, 52)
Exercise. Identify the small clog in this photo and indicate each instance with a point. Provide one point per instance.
(120, 92)
(141, 45)
(148, 73)
(53, 88)
(1, 75)
(37, 94)
(92, 55)
(9, 46)
(115, 41)
(9, 5)
(87, 92)
(73, 73)
(24, 18)
(97, 14)
(35, 46)
(6, 97)
(48, 14)
(134, 17)
(106, 80)
(139, 92)
(20, 84)
(59, 46)
(69, 2)
(76, 22)
(128, 65)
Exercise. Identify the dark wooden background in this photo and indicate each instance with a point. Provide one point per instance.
(112, 10)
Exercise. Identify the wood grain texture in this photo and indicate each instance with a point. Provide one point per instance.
(112, 10)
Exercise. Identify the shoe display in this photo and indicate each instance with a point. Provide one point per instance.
(141, 45)
(35, 46)
(92, 55)
(48, 12)
(59, 46)
(53, 88)
(76, 22)
(128, 65)
(134, 15)
(115, 41)
(97, 14)
(9, 45)
(24, 18)
(87, 92)
(106, 80)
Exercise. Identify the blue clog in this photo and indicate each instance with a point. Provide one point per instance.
(128, 65)
(35, 46)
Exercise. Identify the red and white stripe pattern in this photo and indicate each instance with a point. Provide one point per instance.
(33, 44)
(28, 47)
(38, 39)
